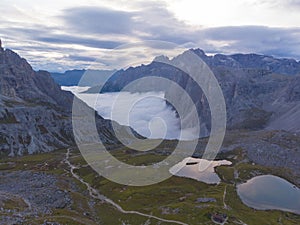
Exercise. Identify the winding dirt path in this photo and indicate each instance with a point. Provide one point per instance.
(95, 194)
(224, 196)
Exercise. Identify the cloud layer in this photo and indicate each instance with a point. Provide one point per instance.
(147, 113)
(76, 36)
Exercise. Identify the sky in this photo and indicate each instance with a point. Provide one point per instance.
(58, 35)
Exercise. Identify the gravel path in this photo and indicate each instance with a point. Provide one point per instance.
(95, 194)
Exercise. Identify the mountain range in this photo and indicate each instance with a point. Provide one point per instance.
(260, 91)
(74, 77)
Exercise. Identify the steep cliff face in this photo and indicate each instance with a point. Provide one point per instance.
(19, 81)
(34, 111)
(35, 114)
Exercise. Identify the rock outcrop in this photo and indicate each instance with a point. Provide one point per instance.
(35, 114)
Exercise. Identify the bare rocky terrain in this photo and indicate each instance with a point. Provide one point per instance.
(39, 191)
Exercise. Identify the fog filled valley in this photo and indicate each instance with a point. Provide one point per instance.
(150, 112)
(50, 163)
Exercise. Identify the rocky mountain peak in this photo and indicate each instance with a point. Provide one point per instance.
(198, 52)
(19, 81)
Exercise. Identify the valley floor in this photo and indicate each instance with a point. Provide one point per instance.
(60, 187)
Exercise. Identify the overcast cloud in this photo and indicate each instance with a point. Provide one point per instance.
(74, 35)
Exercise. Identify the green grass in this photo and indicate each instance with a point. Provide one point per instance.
(226, 173)
(176, 194)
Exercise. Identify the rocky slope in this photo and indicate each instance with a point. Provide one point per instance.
(256, 95)
(260, 91)
(35, 114)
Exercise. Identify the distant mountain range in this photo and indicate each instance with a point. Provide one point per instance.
(260, 91)
(74, 77)
(247, 65)
(35, 114)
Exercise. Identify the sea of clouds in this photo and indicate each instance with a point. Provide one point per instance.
(147, 112)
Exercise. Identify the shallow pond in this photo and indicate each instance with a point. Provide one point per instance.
(270, 192)
(199, 169)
